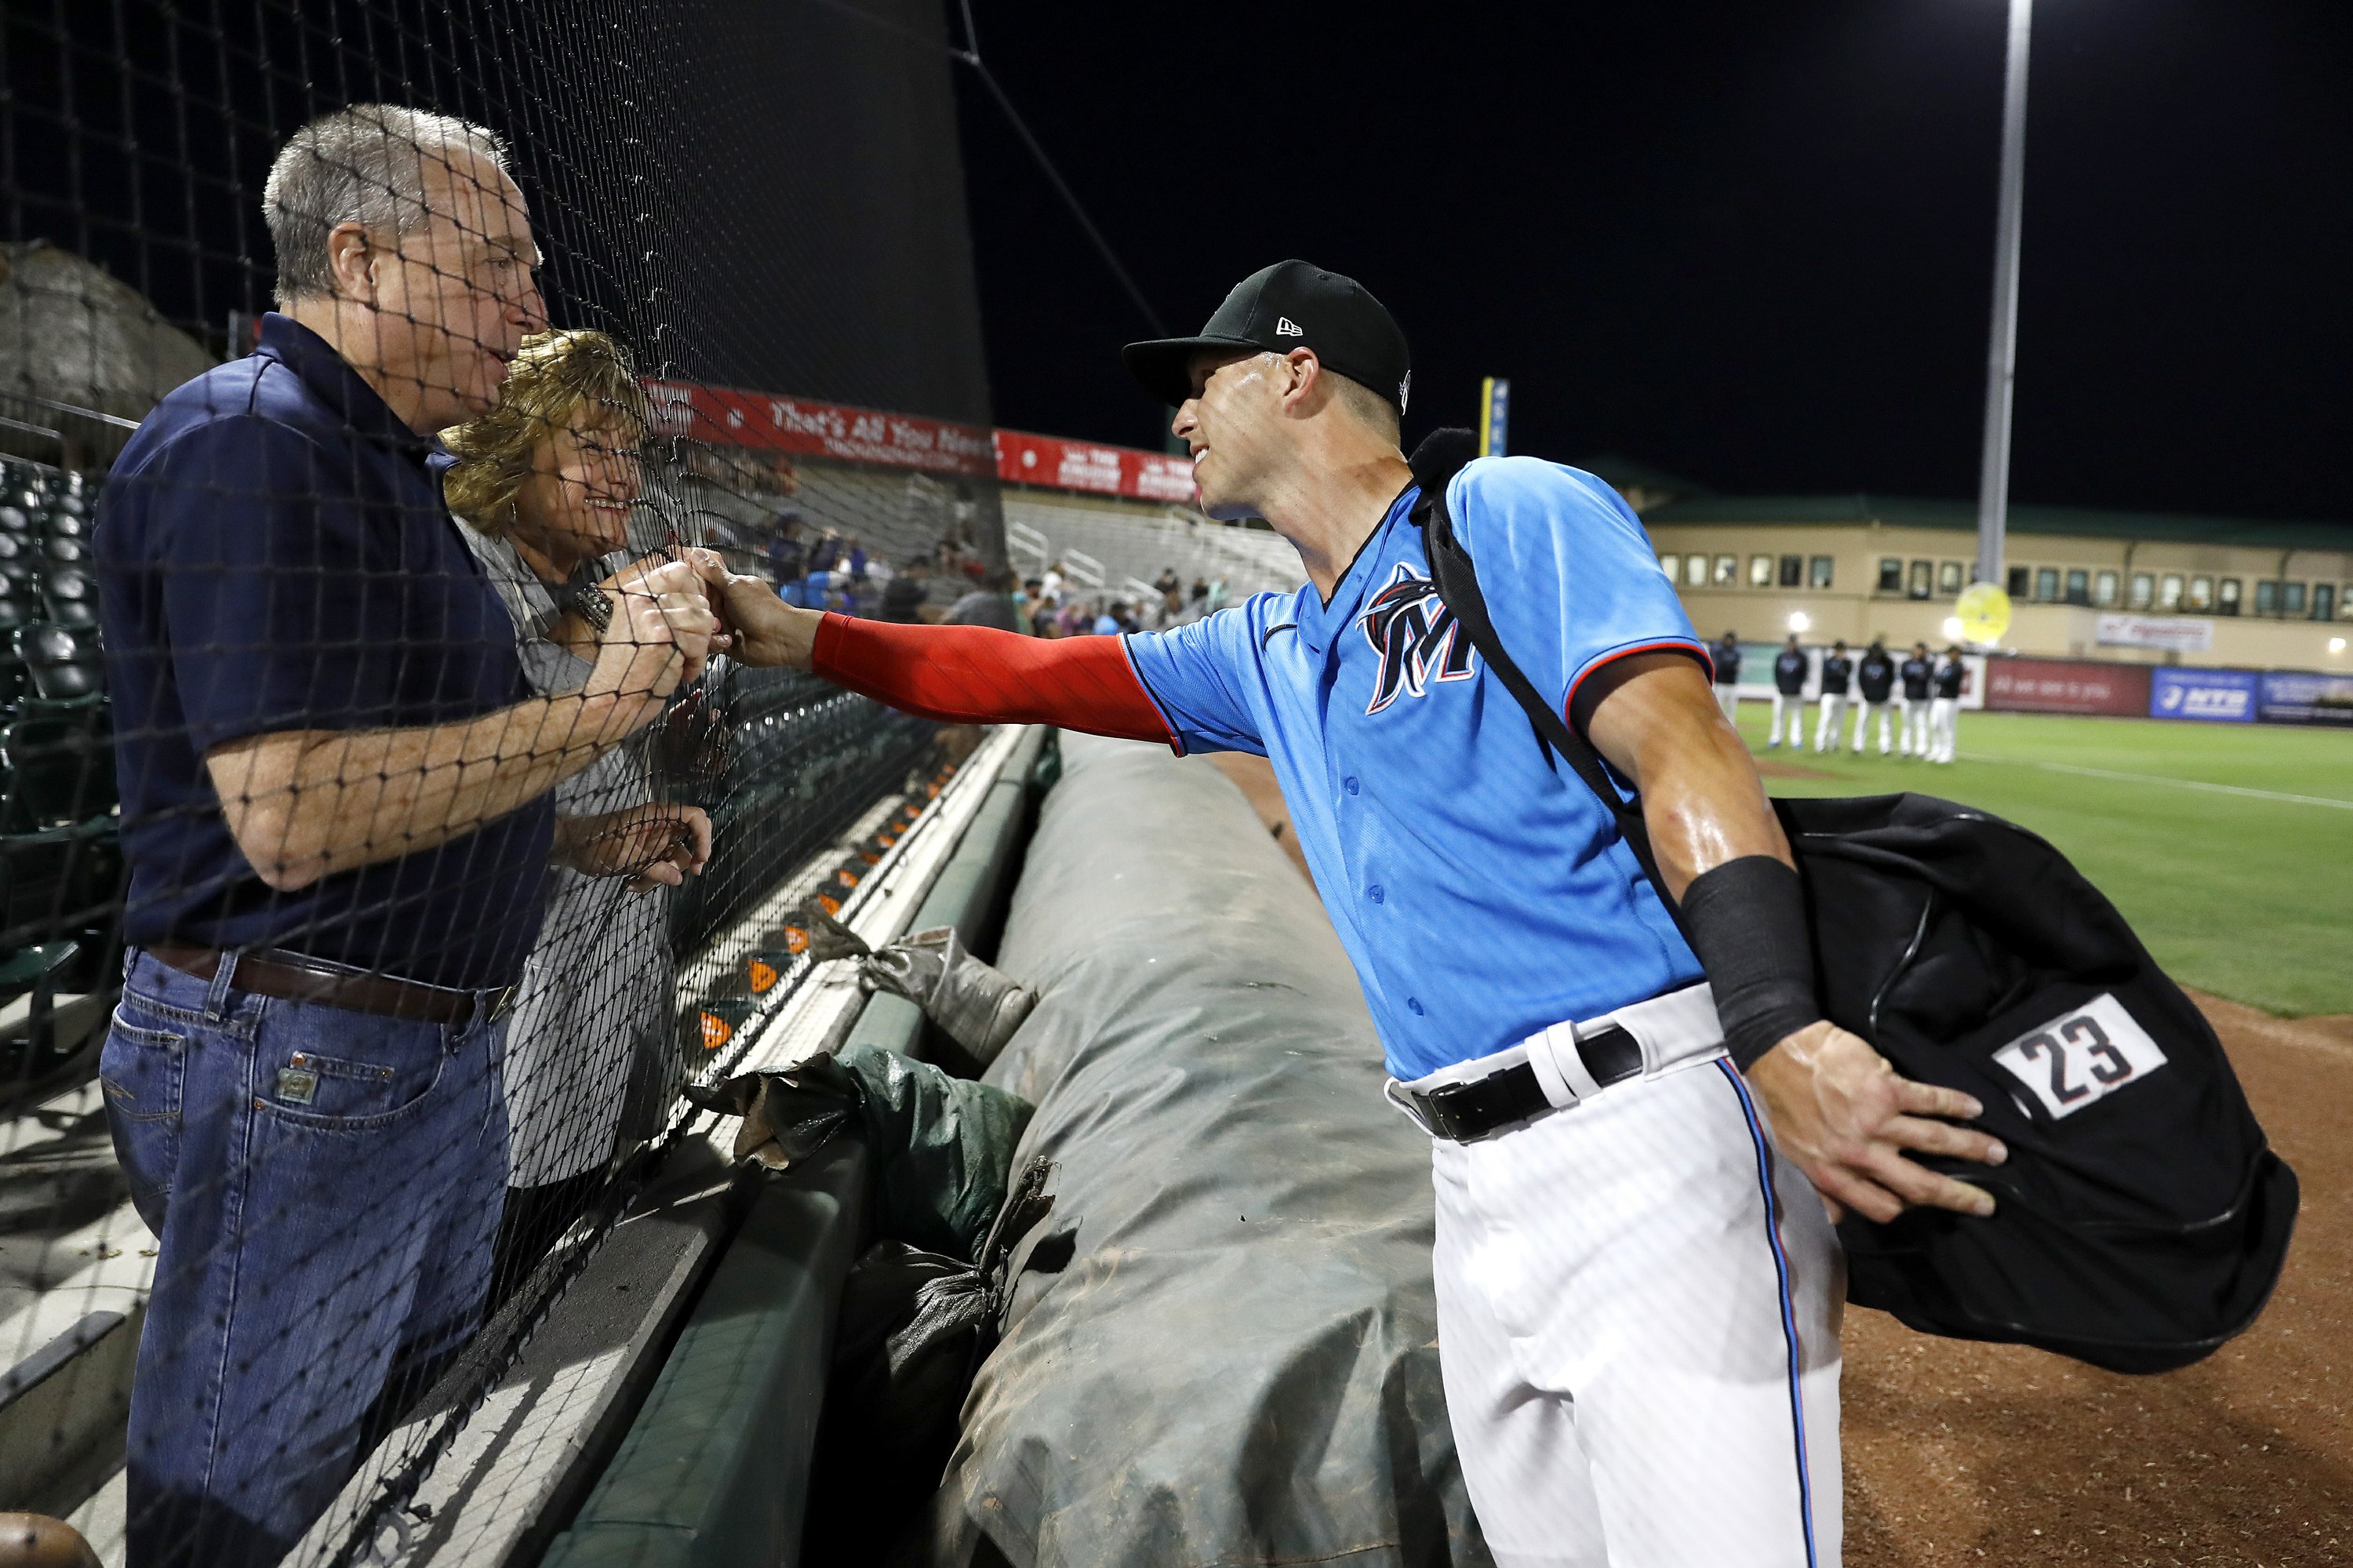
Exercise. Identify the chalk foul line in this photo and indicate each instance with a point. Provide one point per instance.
(2160, 779)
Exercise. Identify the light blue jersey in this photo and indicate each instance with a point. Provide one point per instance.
(1480, 889)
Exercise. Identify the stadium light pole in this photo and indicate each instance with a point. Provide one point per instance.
(2002, 357)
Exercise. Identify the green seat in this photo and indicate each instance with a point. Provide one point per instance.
(59, 769)
(55, 881)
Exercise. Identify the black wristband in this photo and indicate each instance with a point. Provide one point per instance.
(1746, 921)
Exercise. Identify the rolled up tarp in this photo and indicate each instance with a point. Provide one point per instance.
(1222, 1346)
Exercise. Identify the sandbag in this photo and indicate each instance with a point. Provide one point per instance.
(1236, 1363)
(940, 1147)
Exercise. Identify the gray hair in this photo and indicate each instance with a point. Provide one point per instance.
(363, 165)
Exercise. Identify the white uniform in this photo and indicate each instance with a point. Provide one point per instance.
(1917, 674)
(1837, 670)
(1637, 1294)
(1789, 670)
(1944, 712)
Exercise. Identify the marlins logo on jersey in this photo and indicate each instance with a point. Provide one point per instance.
(1410, 627)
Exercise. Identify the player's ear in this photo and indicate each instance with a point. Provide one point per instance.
(1300, 381)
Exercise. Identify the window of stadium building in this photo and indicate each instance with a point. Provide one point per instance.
(1891, 575)
(1760, 571)
(2201, 594)
(2078, 587)
(2019, 578)
(1948, 579)
(2168, 592)
(1696, 571)
(1728, 571)
(1793, 571)
(2105, 588)
(2291, 598)
(2046, 584)
(2226, 597)
(2267, 598)
(1819, 571)
(1672, 566)
(2144, 589)
(1916, 585)
(2324, 601)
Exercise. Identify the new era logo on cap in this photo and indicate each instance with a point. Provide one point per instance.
(1353, 336)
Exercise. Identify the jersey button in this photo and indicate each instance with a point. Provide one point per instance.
(1349, 784)
(1375, 893)
(1414, 1005)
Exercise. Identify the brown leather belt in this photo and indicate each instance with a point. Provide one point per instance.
(291, 976)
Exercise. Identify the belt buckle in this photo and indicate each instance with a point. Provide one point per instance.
(1438, 1106)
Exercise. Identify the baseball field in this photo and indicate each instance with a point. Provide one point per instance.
(2227, 846)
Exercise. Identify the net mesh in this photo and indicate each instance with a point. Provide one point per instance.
(352, 632)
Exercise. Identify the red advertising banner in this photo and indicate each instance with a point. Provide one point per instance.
(2067, 686)
(772, 422)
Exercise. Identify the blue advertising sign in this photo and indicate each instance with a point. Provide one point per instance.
(2292, 696)
(2217, 696)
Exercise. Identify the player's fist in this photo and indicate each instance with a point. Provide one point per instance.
(1845, 1118)
(757, 627)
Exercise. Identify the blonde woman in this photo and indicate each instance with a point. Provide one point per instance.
(544, 485)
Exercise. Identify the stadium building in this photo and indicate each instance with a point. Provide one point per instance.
(2126, 585)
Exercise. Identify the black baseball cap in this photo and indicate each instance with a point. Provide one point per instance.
(1292, 304)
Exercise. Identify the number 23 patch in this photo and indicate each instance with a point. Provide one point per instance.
(2081, 1056)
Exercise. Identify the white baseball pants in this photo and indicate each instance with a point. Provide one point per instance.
(1944, 724)
(1637, 1321)
(1833, 719)
(1864, 712)
(1915, 726)
(1794, 710)
(1728, 699)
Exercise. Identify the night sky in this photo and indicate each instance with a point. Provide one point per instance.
(1751, 244)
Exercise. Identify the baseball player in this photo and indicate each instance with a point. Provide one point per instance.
(1637, 1291)
(1789, 670)
(1916, 674)
(1945, 705)
(1837, 671)
(1874, 678)
(1725, 657)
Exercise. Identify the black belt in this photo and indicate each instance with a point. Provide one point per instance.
(1467, 1111)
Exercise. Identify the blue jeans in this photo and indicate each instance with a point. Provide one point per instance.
(326, 1186)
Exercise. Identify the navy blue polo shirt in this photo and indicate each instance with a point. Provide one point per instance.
(274, 554)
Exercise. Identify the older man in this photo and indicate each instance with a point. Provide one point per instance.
(336, 812)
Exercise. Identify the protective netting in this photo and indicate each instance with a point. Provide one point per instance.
(368, 371)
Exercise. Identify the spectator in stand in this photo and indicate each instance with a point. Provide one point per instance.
(1076, 620)
(1044, 620)
(991, 604)
(1725, 657)
(787, 552)
(1874, 678)
(903, 595)
(1917, 673)
(544, 485)
(1201, 594)
(1216, 600)
(1945, 706)
(825, 552)
(1107, 621)
(1790, 668)
(337, 814)
(1838, 672)
(855, 557)
(1054, 579)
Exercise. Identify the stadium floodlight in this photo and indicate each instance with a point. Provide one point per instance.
(1799, 620)
(1953, 632)
(2337, 645)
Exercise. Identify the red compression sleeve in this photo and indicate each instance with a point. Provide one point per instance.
(974, 674)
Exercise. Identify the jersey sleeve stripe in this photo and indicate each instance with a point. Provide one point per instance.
(1175, 740)
(1692, 647)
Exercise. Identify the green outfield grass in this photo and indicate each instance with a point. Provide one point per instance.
(2229, 847)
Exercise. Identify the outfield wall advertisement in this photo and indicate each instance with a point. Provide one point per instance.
(2067, 686)
(2291, 696)
(2214, 697)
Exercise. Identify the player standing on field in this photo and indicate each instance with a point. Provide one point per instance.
(1638, 1293)
(1917, 672)
(1837, 670)
(1790, 668)
(1725, 657)
(1945, 705)
(1875, 678)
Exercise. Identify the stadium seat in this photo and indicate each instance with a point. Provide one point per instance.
(19, 559)
(57, 880)
(34, 1062)
(63, 662)
(58, 769)
(59, 523)
(71, 595)
(65, 550)
(14, 520)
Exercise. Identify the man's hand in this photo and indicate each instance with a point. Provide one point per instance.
(759, 628)
(1842, 1113)
(653, 846)
(660, 632)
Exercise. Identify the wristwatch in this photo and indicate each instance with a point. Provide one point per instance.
(594, 607)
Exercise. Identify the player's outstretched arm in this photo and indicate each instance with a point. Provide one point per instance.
(960, 674)
(1836, 1107)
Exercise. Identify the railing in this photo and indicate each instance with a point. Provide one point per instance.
(1083, 568)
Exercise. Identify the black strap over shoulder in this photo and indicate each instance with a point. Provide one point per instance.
(1435, 461)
